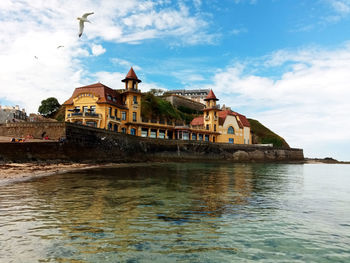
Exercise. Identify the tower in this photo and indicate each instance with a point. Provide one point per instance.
(211, 117)
(132, 97)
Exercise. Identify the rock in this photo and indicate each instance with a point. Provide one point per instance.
(241, 156)
(257, 155)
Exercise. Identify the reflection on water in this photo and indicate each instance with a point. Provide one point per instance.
(180, 212)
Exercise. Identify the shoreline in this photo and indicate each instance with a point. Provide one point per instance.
(19, 172)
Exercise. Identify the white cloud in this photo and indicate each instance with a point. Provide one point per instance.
(307, 103)
(30, 29)
(97, 50)
(113, 80)
(252, 2)
(340, 6)
(125, 63)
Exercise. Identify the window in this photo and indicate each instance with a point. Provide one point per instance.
(110, 111)
(144, 132)
(123, 130)
(133, 131)
(93, 109)
(134, 116)
(161, 134)
(135, 99)
(91, 124)
(123, 115)
(153, 133)
(230, 130)
(186, 136)
(230, 140)
(214, 127)
(85, 108)
(194, 137)
(206, 138)
(109, 97)
(207, 127)
(115, 112)
(109, 126)
(200, 137)
(115, 128)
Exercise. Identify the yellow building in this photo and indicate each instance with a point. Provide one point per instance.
(225, 125)
(99, 106)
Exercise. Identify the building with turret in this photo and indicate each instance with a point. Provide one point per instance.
(102, 107)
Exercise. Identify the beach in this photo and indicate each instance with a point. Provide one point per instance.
(23, 171)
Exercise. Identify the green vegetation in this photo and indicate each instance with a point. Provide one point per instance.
(60, 114)
(152, 107)
(49, 107)
(261, 134)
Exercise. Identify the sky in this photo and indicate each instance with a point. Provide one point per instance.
(285, 63)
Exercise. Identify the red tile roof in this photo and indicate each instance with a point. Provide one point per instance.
(244, 120)
(131, 75)
(104, 94)
(241, 120)
(211, 96)
(197, 121)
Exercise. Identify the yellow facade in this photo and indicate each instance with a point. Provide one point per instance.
(102, 107)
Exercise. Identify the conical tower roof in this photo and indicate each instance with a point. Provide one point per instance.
(211, 96)
(131, 75)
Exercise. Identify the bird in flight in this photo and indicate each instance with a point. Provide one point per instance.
(59, 46)
(35, 57)
(81, 22)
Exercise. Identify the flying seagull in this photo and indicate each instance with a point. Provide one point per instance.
(59, 47)
(81, 22)
(35, 57)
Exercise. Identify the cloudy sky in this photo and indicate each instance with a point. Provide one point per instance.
(283, 62)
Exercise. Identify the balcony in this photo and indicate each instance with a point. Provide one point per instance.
(80, 115)
(91, 114)
(113, 118)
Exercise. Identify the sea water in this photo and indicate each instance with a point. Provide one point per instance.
(180, 212)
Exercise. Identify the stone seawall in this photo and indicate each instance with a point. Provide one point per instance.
(53, 130)
(96, 145)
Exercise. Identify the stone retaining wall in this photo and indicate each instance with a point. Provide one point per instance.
(54, 130)
(96, 145)
(177, 101)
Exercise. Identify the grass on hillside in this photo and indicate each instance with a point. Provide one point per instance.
(261, 134)
(153, 106)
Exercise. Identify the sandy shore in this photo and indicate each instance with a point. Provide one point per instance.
(17, 172)
(12, 172)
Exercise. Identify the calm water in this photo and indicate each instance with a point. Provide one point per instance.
(180, 213)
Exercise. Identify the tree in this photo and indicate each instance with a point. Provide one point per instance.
(48, 107)
(157, 92)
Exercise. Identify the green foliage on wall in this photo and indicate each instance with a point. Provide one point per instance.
(261, 134)
(153, 107)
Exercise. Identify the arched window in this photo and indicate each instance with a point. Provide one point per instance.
(230, 130)
(109, 126)
(133, 131)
